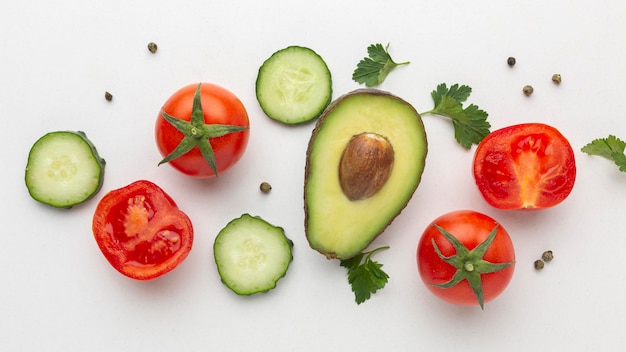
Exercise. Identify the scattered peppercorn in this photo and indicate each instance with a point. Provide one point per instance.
(556, 78)
(538, 264)
(528, 90)
(265, 187)
(547, 256)
(152, 47)
(511, 61)
(108, 96)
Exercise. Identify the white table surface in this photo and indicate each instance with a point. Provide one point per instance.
(57, 58)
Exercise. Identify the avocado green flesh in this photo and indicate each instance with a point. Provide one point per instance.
(335, 225)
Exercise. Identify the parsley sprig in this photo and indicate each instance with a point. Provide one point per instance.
(365, 275)
(611, 148)
(373, 70)
(470, 123)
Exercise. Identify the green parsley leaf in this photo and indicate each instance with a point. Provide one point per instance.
(365, 275)
(374, 69)
(611, 148)
(453, 96)
(470, 123)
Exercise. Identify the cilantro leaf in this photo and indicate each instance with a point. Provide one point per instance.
(611, 148)
(374, 69)
(470, 123)
(365, 275)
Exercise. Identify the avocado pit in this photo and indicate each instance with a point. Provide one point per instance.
(365, 165)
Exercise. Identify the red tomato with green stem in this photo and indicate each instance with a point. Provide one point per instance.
(525, 166)
(202, 130)
(465, 257)
(141, 231)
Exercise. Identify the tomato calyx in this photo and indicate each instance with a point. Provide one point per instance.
(470, 264)
(197, 133)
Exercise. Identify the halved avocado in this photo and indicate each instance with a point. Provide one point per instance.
(365, 160)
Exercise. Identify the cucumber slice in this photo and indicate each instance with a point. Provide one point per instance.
(252, 255)
(64, 169)
(294, 85)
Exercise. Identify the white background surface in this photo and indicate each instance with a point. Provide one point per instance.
(57, 58)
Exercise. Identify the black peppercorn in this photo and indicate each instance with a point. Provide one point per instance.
(547, 256)
(511, 61)
(152, 47)
(265, 187)
(528, 90)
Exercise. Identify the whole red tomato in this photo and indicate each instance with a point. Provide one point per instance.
(140, 230)
(526, 166)
(465, 257)
(202, 130)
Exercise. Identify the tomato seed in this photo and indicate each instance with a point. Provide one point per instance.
(556, 78)
(108, 96)
(538, 264)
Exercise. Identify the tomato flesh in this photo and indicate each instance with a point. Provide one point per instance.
(220, 106)
(525, 166)
(141, 232)
(471, 228)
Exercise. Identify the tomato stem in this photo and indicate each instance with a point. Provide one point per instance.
(195, 132)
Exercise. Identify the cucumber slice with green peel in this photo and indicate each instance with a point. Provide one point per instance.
(64, 169)
(252, 255)
(294, 85)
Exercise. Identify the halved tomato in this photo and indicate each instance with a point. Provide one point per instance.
(525, 166)
(141, 231)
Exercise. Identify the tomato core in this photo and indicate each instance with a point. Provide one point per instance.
(528, 152)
